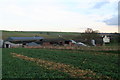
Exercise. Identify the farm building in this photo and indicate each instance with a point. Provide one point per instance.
(8, 44)
(70, 42)
(36, 41)
(106, 39)
(14, 41)
(24, 39)
(1, 43)
(91, 42)
(56, 41)
(32, 44)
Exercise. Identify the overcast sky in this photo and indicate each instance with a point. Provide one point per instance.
(59, 15)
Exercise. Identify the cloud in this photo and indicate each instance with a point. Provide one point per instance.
(52, 15)
(112, 21)
(100, 4)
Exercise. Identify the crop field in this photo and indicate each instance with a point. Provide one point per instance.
(6, 34)
(51, 63)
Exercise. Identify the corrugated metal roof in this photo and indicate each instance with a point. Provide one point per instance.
(32, 44)
(23, 38)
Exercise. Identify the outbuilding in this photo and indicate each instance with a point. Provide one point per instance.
(8, 44)
(106, 39)
(24, 39)
(1, 43)
(21, 41)
(32, 44)
(55, 41)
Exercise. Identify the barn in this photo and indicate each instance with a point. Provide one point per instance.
(21, 40)
(55, 41)
(24, 39)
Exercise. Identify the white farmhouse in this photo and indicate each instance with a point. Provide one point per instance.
(106, 39)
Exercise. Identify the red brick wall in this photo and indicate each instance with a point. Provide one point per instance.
(46, 44)
(71, 44)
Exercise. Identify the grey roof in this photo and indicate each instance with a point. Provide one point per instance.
(24, 38)
(32, 44)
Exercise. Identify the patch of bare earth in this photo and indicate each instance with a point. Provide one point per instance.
(71, 70)
(98, 48)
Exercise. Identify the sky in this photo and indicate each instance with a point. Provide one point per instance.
(59, 15)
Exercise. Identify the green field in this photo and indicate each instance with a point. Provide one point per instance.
(46, 34)
(103, 63)
(6, 34)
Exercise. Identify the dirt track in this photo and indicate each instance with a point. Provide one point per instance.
(71, 70)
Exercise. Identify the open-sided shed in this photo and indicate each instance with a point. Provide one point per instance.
(24, 39)
(55, 41)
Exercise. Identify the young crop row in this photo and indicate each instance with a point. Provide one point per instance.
(101, 64)
(18, 68)
(71, 70)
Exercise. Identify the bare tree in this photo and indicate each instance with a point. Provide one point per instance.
(89, 30)
(90, 34)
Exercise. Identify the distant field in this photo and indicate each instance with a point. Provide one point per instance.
(102, 63)
(6, 34)
(45, 34)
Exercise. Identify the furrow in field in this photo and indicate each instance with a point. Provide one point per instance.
(71, 70)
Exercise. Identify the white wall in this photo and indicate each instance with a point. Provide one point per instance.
(1, 43)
